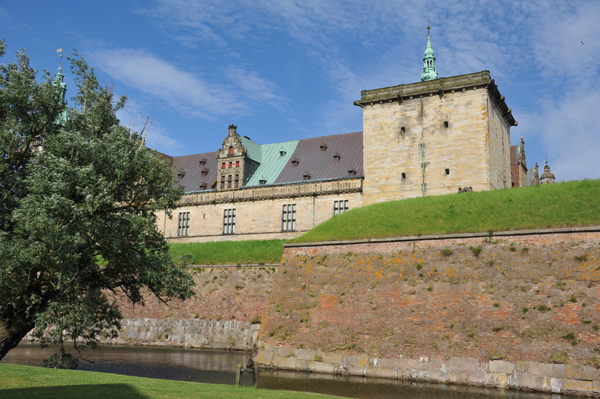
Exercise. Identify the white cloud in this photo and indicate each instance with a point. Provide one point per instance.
(190, 94)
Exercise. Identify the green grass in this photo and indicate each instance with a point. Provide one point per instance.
(36, 382)
(231, 252)
(552, 205)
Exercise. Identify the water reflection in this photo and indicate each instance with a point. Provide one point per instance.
(218, 367)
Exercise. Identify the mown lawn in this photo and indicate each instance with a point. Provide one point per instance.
(569, 204)
(231, 252)
(17, 381)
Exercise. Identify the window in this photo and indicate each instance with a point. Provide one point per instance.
(404, 175)
(336, 158)
(180, 176)
(183, 226)
(340, 206)
(447, 171)
(203, 173)
(223, 165)
(282, 153)
(237, 181)
(223, 181)
(237, 164)
(229, 221)
(202, 162)
(288, 220)
(231, 164)
(445, 123)
(295, 163)
(306, 176)
(203, 186)
(262, 182)
(323, 147)
(231, 150)
(351, 172)
(229, 181)
(402, 130)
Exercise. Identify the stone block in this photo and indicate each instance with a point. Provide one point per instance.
(575, 372)
(388, 362)
(436, 364)
(465, 364)
(521, 366)
(541, 369)
(534, 382)
(321, 367)
(596, 386)
(286, 363)
(556, 385)
(381, 372)
(472, 377)
(285, 351)
(501, 366)
(405, 363)
(496, 379)
(307, 355)
(357, 361)
(360, 371)
(332, 357)
(422, 365)
(577, 386)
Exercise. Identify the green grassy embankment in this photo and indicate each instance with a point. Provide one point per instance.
(231, 252)
(37, 382)
(569, 204)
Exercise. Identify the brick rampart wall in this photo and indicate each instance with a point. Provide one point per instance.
(525, 298)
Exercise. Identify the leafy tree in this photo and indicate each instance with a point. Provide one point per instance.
(78, 213)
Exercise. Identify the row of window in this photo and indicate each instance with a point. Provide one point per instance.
(237, 164)
(236, 182)
(288, 218)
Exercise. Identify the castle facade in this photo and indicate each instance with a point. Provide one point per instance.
(433, 137)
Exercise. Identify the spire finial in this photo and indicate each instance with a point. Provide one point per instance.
(60, 64)
(428, 26)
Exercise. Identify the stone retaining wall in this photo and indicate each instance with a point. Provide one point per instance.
(521, 375)
(200, 334)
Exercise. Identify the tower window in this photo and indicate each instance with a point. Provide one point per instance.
(223, 181)
(404, 175)
(237, 181)
(288, 219)
(237, 164)
(229, 181)
(402, 130)
(447, 171)
(231, 150)
(445, 123)
(223, 167)
(231, 164)
(229, 221)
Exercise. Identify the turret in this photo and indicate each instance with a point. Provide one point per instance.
(429, 71)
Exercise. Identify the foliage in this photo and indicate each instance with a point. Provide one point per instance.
(567, 204)
(476, 250)
(77, 218)
(231, 252)
(38, 383)
(446, 252)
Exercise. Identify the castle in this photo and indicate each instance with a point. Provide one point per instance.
(437, 136)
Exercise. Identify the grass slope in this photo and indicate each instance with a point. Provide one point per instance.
(37, 382)
(231, 252)
(575, 203)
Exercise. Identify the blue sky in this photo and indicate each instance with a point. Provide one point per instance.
(284, 69)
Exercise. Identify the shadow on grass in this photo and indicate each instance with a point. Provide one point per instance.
(100, 391)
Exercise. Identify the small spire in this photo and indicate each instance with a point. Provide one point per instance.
(62, 91)
(429, 70)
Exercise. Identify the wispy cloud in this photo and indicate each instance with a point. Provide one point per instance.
(184, 91)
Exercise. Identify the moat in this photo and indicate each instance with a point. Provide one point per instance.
(218, 367)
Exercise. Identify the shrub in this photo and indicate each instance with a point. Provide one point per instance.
(496, 329)
(496, 355)
(573, 299)
(496, 305)
(419, 267)
(318, 358)
(582, 258)
(570, 335)
(429, 288)
(446, 252)
(543, 308)
(476, 250)
(256, 319)
(596, 327)
(525, 309)
(559, 357)
(218, 317)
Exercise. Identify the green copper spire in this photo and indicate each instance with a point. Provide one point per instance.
(63, 117)
(429, 71)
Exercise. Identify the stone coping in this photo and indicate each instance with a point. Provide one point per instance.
(558, 230)
(236, 265)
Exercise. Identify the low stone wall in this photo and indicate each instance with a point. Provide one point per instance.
(200, 334)
(521, 375)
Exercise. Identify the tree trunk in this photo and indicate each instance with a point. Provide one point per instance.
(12, 330)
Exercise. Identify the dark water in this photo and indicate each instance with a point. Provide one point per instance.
(218, 367)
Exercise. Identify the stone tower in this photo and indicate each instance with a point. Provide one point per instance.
(547, 176)
(435, 136)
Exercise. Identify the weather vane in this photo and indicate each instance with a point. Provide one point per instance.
(60, 51)
(428, 27)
